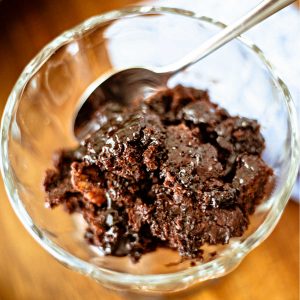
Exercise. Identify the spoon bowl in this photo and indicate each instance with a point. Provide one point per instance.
(120, 86)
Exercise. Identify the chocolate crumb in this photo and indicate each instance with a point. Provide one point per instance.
(213, 254)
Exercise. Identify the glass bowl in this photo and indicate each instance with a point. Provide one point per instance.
(39, 114)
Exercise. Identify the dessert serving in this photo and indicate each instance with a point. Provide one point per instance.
(130, 198)
(172, 170)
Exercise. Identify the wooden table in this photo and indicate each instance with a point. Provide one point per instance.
(27, 271)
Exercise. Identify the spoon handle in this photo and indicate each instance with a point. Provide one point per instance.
(253, 17)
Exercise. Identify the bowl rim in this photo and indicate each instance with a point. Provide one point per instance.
(215, 268)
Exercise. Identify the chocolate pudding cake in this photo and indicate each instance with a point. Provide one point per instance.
(173, 170)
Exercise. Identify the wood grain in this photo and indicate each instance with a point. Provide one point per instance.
(28, 272)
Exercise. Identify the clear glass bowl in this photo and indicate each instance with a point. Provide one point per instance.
(39, 114)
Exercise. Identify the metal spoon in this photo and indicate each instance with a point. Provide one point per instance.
(125, 85)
